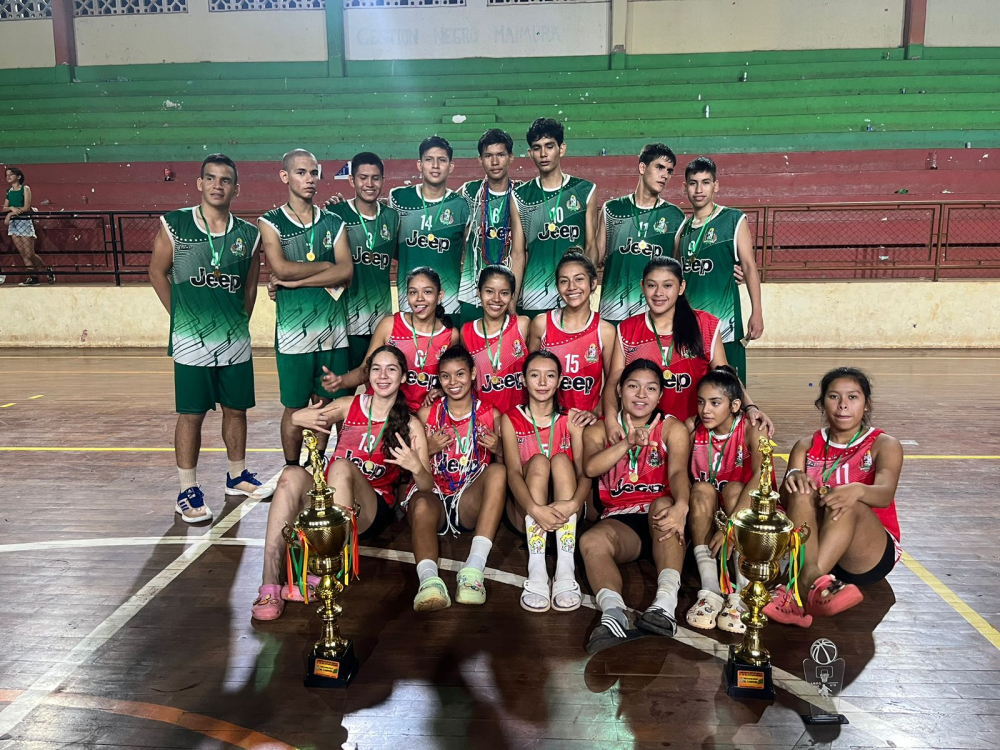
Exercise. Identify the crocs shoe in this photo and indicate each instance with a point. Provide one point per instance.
(471, 588)
(658, 622)
(705, 612)
(268, 604)
(784, 609)
(431, 595)
(247, 484)
(729, 618)
(609, 632)
(829, 597)
(193, 500)
(292, 593)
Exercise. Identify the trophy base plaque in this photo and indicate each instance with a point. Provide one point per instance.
(332, 673)
(748, 681)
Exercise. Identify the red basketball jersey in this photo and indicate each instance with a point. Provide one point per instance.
(857, 465)
(621, 494)
(357, 445)
(528, 443)
(500, 387)
(730, 456)
(450, 472)
(680, 394)
(421, 358)
(582, 363)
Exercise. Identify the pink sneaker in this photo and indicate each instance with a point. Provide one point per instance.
(292, 593)
(829, 597)
(784, 609)
(268, 604)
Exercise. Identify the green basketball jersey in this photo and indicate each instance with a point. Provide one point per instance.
(493, 225)
(633, 236)
(308, 319)
(553, 222)
(708, 252)
(373, 245)
(209, 324)
(431, 234)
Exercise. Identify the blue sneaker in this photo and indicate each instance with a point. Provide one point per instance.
(247, 484)
(191, 506)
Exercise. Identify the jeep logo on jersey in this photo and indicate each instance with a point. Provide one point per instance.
(561, 233)
(699, 266)
(511, 380)
(579, 384)
(452, 466)
(678, 381)
(627, 488)
(441, 244)
(226, 281)
(376, 473)
(379, 260)
(411, 379)
(632, 248)
(719, 483)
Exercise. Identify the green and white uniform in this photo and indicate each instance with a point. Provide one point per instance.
(553, 221)
(493, 227)
(431, 233)
(633, 236)
(708, 253)
(209, 323)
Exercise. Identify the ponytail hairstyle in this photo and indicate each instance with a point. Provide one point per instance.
(848, 373)
(544, 354)
(399, 415)
(687, 332)
(496, 269)
(726, 380)
(635, 366)
(435, 279)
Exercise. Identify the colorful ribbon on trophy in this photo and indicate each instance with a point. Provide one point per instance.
(798, 561)
(297, 560)
(351, 555)
(724, 582)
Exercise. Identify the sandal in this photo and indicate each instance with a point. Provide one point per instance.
(432, 595)
(567, 589)
(610, 632)
(539, 590)
(268, 604)
(657, 621)
(705, 612)
(471, 587)
(292, 593)
(729, 618)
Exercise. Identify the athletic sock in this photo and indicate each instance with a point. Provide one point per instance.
(708, 569)
(427, 569)
(566, 538)
(481, 547)
(536, 551)
(668, 582)
(611, 605)
(236, 468)
(187, 477)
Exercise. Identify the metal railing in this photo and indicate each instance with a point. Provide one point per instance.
(795, 242)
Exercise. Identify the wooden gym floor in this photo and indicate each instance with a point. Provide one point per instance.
(124, 628)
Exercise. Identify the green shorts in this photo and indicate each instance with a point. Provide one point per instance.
(468, 312)
(736, 355)
(357, 347)
(300, 376)
(198, 389)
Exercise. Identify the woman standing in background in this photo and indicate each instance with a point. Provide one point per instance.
(19, 227)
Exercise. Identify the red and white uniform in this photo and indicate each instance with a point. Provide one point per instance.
(620, 495)
(732, 465)
(421, 360)
(450, 475)
(508, 392)
(356, 444)
(680, 393)
(858, 466)
(528, 443)
(581, 355)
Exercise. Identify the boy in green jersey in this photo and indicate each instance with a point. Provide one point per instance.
(372, 231)
(633, 229)
(557, 212)
(495, 236)
(204, 268)
(432, 223)
(708, 245)
(310, 259)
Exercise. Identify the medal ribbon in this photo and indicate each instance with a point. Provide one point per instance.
(216, 256)
(312, 227)
(494, 360)
(552, 211)
(440, 206)
(369, 236)
(668, 355)
(635, 213)
(487, 222)
(713, 470)
(633, 453)
(697, 242)
(416, 345)
(468, 449)
(826, 452)
(368, 436)
(538, 437)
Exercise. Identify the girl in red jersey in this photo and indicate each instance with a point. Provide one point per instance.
(725, 466)
(469, 490)
(421, 335)
(644, 492)
(684, 341)
(842, 482)
(500, 353)
(543, 453)
(578, 337)
(379, 437)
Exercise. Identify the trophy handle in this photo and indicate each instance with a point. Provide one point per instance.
(803, 532)
(721, 520)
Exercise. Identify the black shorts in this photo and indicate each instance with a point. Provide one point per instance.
(639, 523)
(882, 568)
(385, 514)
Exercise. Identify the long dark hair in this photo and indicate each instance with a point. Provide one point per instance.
(399, 415)
(849, 373)
(543, 354)
(642, 364)
(726, 380)
(687, 332)
(435, 278)
(17, 173)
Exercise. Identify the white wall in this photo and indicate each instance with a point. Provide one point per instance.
(963, 23)
(27, 44)
(478, 30)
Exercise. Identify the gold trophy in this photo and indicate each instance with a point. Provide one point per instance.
(325, 529)
(762, 536)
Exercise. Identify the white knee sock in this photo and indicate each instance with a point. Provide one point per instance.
(708, 568)
(668, 582)
(536, 550)
(481, 547)
(611, 604)
(187, 477)
(427, 569)
(236, 468)
(566, 541)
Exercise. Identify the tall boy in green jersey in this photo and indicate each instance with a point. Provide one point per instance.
(495, 235)
(204, 268)
(557, 212)
(709, 245)
(372, 230)
(310, 259)
(633, 229)
(432, 223)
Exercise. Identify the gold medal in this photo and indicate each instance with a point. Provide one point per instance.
(422, 378)
(493, 234)
(823, 490)
(552, 226)
(430, 238)
(310, 256)
(633, 477)
(369, 467)
(643, 244)
(667, 374)
(496, 380)
(463, 461)
(217, 273)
